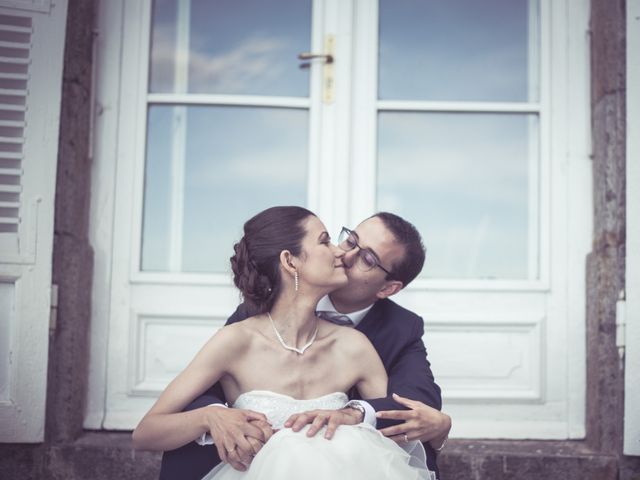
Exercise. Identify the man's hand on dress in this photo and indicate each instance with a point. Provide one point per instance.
(421, 422)
(319, 418)
(238, 434)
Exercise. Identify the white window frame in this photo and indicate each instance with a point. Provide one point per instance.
(113, 235)
(566, 31)
(565, 171)
(632, 287)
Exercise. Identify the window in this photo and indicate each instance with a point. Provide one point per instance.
(453, 116)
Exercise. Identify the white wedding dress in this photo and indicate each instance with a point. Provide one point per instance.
(355, 452)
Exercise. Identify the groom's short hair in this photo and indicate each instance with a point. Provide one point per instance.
(408, 236)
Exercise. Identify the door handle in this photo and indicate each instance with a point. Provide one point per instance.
(328, 58)
(328, 81)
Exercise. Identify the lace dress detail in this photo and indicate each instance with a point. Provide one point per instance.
(356, 452)
(278, 407)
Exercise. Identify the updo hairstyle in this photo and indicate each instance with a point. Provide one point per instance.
(256, 263)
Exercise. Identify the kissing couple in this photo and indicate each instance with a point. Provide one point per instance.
(326, 377)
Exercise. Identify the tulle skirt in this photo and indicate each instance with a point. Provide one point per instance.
(355, 452)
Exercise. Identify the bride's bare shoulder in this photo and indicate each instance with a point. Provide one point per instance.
(229, 343)
(237, 334)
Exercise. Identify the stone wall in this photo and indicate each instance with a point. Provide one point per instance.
(605, 264)
(72, 254)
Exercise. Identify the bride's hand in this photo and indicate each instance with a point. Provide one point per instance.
(238, 434)
(318, 418)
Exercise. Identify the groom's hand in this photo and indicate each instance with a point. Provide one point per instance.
(319, 418)
(421, 422)
(238, 434)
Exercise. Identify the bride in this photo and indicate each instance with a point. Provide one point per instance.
(283, 361)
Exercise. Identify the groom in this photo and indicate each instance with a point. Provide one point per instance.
(382, 255)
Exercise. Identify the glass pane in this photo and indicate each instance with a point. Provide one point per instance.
(203, 182)
(458, 50)
(230, 47)
(463, 179)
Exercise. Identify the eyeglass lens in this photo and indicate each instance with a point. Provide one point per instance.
(348, 241)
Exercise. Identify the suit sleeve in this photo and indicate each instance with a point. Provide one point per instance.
(410, 376)
(215, 394)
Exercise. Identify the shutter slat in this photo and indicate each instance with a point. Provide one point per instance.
(12, 155)
(15, 28)
(13, 76)
(15, 60)
(13, 108)
(12, 93)
(12, 123)
(16, 45)
(14, 64)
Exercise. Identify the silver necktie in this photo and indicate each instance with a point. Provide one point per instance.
(335, 317)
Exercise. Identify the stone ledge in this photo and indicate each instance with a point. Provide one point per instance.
(525, 459)
(108, 455)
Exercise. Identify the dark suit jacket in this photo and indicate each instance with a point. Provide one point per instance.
(395, 332)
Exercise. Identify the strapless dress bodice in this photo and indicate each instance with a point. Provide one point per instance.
(278, 407)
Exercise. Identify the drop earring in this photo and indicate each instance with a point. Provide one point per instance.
(295, 280)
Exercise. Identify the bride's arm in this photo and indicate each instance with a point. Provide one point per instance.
(373, 378)
(165, 426)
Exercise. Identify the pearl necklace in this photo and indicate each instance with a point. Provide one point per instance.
(299, 351)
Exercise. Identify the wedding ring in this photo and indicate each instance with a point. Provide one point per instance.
(406, 439)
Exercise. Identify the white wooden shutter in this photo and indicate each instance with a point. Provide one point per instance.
(632, 361)
(31, 58)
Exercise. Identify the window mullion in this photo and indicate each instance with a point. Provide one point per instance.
(179, 143)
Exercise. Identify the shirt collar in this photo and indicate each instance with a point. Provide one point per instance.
(325, 304)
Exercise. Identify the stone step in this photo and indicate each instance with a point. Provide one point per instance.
(108, 455)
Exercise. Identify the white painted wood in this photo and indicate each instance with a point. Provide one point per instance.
(101, 229)
(179, 137)
(485, 107)
(25, 268)
(579, 228)
(211, 99)
(362, 195)
(562, 230)
(532, 386)
(488, 358)
(336, 128)
(156, 360)
(132, 292)
(533, 173)
(33, 5)
(314, 102)
(128, 204)
(632, 354)
(8, 309)
(176, 191)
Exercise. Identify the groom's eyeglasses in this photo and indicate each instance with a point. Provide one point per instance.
(367, 259)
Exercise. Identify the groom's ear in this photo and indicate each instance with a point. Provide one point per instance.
(390, 288)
